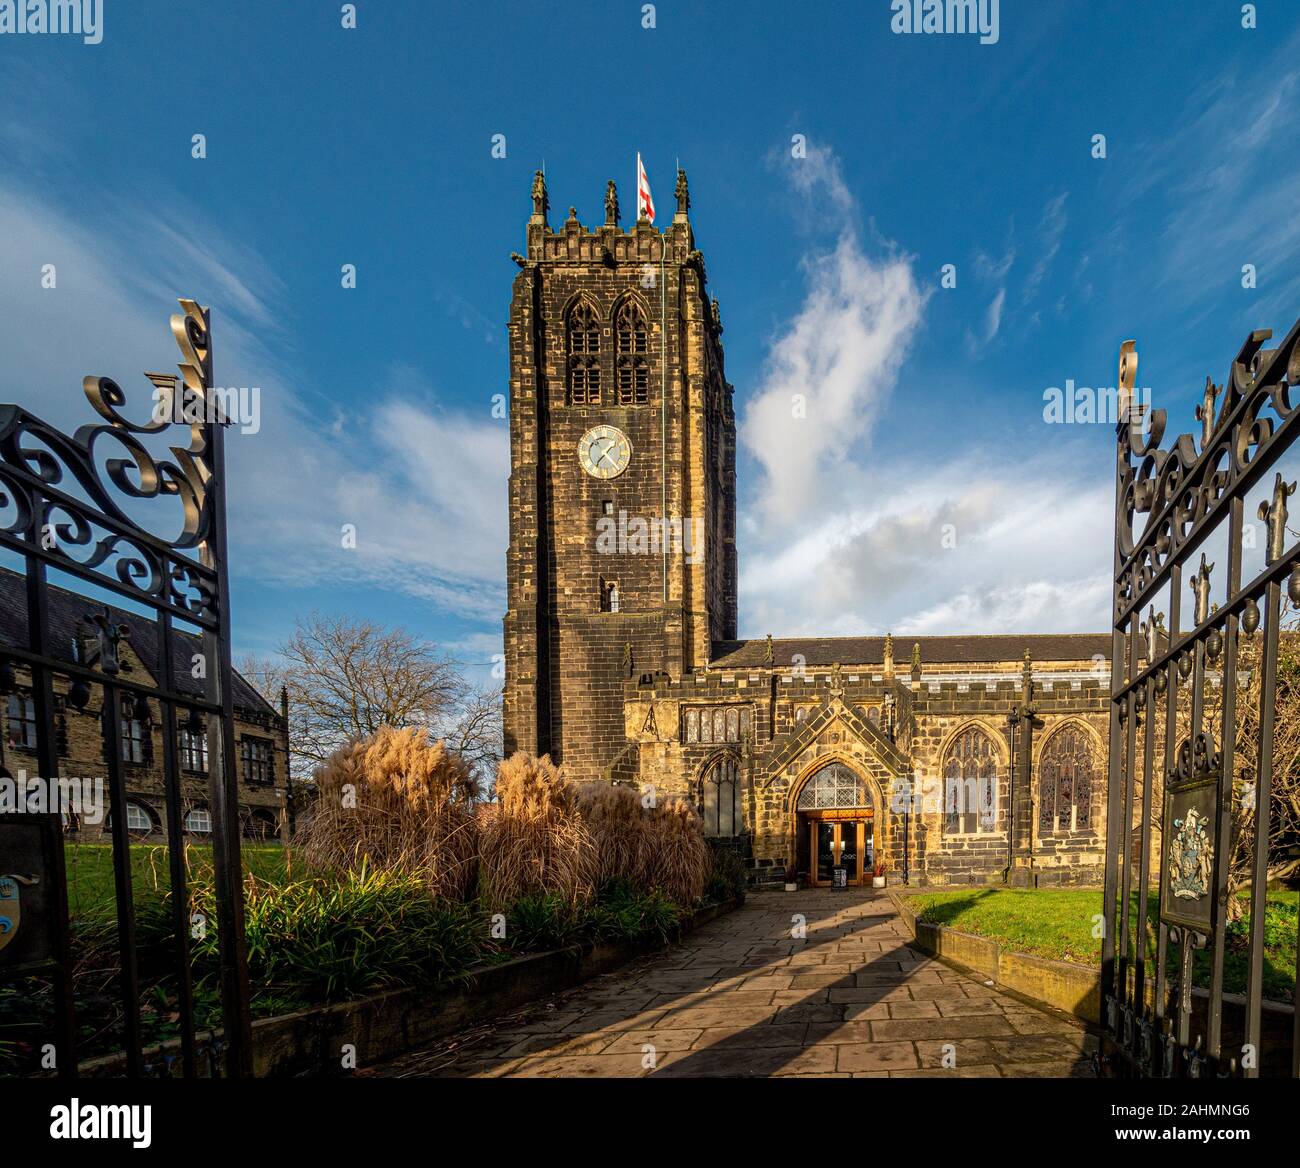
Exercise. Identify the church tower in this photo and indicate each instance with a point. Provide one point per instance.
(622, 558)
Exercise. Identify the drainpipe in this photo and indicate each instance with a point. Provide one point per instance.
(1012, 720)
(289, 810)
(907, 832)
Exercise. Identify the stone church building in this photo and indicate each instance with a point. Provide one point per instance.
(946, 760)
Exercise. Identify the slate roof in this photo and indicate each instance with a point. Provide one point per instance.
(67, 610)
(972, 650)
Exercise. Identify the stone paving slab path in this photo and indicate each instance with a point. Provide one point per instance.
(744, 996)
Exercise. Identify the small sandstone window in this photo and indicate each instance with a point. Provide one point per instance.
(21, 722)
(609, 596)
(710, 724)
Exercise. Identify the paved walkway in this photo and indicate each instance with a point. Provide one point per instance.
(743, 997)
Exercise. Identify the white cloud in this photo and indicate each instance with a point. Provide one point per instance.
(1051, 230)
(842, 537)
(993, 316)
(423, 486)
(831, 368)
(972, 546)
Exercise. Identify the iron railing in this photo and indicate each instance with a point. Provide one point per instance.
(59, 511)
(1174, 768)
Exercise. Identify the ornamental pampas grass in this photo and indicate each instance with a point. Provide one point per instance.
(399, 803)
(533, 841)
(618, 826)
(677, 859)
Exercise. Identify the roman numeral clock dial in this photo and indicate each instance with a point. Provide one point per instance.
(604, 452)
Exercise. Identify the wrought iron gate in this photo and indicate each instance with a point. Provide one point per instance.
(1183, 791)
(72, 505)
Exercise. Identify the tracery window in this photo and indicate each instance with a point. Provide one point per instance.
(632, 368)
(1065, 774)
(970, 784)
(720, 802)
(584, 356)
(835, 785)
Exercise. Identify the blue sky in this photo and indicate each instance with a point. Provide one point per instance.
(328, 146)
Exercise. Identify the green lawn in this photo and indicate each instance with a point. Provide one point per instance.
(90, 871)
(1060, 923)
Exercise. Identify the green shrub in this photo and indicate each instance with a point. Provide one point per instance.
(327, 939)
(622, 912)
(544, 920)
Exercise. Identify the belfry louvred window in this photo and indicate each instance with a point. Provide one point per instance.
(633, 345)
(584, 356)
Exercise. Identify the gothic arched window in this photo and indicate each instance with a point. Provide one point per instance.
(1065, 782)
(835, 785)
(970, 770)
(584, 356)
(721, 798)
(632, 369)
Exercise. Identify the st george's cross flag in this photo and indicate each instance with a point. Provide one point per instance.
(645, 206)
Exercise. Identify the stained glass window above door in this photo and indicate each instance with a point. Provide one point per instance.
(835, 785)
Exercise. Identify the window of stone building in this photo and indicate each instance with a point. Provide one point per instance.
(198, 821)
(20, 728)
(833, 786)
(720, 799)
(261, 825)
(584, 356)
(609, 598)
(1065, 777)
(632, 368)
(711, 724)
(256, 760)
(194, 751)
(970, 783)
(134, 741)
(138, 818)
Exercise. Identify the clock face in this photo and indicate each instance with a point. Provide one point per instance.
(604, 452)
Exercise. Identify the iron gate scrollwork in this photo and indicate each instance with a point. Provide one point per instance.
(73, 505)
(1176, 810)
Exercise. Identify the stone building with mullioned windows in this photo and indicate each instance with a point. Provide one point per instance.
(265, 799)
(960, 760)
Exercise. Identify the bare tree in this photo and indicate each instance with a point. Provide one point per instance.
(345, 678)
(474, 731)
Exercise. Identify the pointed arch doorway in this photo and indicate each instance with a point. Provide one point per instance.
(835, 826)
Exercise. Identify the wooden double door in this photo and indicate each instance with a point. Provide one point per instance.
(841, 843)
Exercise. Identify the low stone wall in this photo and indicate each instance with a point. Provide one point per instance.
(380, 1026)
(1076, 989)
